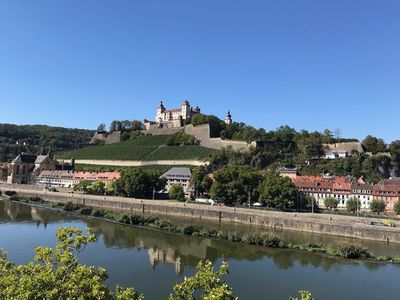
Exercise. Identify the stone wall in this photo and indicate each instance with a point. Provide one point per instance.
(202, 133)
(322, 224)
(112, 138)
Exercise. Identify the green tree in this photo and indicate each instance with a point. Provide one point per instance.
(83, 186)
(331, 203)
(56, 273)
(235, 184)
(311, 202)
(200, 180)
(138, 183)
(353, 204)
(377, 206)
(176, 192)
(97, 188)
(394, 149)
(396, 207)
(101, 127)
(373, 144)
(277, 191)
(207, 284)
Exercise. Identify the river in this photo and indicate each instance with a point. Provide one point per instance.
(152, 261)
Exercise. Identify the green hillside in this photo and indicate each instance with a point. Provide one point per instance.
(142, 148)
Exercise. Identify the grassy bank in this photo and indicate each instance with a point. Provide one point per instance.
(344, 250)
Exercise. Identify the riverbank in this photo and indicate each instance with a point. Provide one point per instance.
(334, 225)
(344, 250)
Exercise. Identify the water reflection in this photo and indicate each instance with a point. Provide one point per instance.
(143, 258)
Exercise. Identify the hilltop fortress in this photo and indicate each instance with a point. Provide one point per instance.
(175, 118)
(171, 121)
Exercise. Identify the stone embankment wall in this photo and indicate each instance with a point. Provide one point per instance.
(322, 224)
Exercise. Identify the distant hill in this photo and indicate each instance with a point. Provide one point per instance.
(142, 148)
(38, 139)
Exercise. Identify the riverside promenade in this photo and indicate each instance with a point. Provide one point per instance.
(337, 225)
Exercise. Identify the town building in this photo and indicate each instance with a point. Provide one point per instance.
(288, 172)
(25, 167)
(68, 179)
(387, 190)
(345, 188)
(178, 175)
(336, 154)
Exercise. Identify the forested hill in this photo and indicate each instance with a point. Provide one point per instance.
(39, 139)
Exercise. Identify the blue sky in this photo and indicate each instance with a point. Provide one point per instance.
(308, 64)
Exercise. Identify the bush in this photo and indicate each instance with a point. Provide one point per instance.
(69, 206)
(354, 251)
(124, 219)
(176, 192)
(353, 204)
(10, 193)
(396, 207)
(98, 213)
(251, 239)
(377, 206)
(331, 203)
(271, 241)
(188, 230)
(86, 211)
(234, 236)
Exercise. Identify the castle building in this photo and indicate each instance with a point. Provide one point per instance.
(172, 118)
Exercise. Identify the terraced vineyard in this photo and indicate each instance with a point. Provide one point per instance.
(143, 148)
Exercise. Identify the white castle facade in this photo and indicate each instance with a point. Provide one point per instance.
(175, 118)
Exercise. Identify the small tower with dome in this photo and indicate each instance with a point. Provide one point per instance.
(228, 118)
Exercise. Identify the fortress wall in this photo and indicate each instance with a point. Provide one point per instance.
(202, 133)
(162, 131)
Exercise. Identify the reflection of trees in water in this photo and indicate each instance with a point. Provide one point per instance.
(16, 212)
(182, 250)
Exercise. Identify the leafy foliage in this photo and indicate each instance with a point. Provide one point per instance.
(200, 180)
(377, 206)
(181, 139)
(206, 282)
(331, 203)
(56, 273)
(138, 183)
(396, 207)
(235, 184)
(353, 204)
(176, 192)
(39, 139)
(277, 192)
(373, 144)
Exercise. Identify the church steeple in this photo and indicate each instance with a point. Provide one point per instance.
(228, 118)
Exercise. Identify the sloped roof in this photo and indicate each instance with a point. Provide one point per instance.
(25, 158)
(177, 172)
(40, 159)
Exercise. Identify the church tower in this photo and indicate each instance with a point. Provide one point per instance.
(228, 118)
(160, 112)
(185, 109)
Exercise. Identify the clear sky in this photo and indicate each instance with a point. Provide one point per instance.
(308, 64)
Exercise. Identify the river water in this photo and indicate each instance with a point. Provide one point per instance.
(152, 261)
